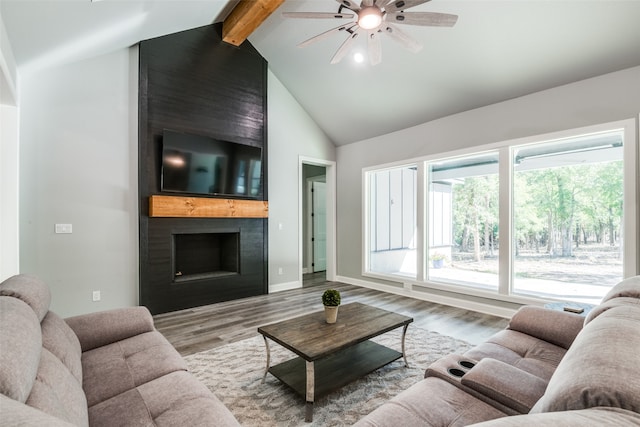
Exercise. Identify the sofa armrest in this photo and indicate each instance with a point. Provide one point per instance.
(556, 327)
(106, 327)
(506, 384)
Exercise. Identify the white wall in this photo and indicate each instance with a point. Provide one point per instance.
(9, 244)
(9, 120)
(78, 165)
(292, 133)
(602, 99)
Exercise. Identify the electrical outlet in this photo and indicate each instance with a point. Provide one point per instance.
(96, 296)
(280, 271)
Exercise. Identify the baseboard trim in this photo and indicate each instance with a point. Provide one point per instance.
(426, 296)
(279, 287)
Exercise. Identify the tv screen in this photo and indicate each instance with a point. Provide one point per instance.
(203, 165)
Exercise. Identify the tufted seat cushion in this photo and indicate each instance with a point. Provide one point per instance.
(176, 399)
(124, 365)
(428, 403)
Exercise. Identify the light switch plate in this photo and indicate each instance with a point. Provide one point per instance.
(64, 229)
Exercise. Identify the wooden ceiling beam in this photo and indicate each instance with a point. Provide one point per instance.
(245, 17)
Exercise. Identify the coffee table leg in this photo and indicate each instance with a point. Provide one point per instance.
(404, 353)
(311, 377)
(266, 370)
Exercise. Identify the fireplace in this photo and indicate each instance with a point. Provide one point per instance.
(191, 262)
(205, 255)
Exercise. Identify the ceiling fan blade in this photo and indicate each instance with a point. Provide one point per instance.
(325, 34)
(375, 47)
(317, 15)
(401, 37)
(366, 3)
(429, 19)
(349, 4)
(342, 50)
(380, 3)
(397, 5)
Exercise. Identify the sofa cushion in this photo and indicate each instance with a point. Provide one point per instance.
(596, 417)
(59, 339)
(106, 327)
(609, 304)
(628, 288)
(544, 324)
(29, 289)
(176, 399)
(532, 355)
(20, 345)
(601, 368)
(124, 365)
(428, 403)
(57, 392)
(15, 413)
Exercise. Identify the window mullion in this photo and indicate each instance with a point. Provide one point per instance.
(505, 221)
(421, 222)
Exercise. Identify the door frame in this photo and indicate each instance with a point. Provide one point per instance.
(330, 168)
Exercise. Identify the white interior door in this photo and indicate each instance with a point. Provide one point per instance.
(319, 228)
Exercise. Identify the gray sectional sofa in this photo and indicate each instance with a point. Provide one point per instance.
(548, 368)
(103, 369)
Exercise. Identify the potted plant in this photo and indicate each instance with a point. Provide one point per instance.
(437, 260)
(331, 301)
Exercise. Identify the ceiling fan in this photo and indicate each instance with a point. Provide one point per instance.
(374, 18)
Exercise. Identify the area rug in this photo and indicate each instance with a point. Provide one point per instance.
(234, 374)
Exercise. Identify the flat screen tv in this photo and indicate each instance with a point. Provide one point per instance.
(202, 165)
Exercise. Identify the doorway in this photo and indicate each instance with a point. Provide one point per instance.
(317, 214)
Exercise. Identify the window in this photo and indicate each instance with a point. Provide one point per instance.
(392, 233)
(553, 217)
(568, 203)
(463, 220)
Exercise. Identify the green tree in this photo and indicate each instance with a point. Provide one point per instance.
(475, 213)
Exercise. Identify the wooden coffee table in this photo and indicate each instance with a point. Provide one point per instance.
(332, 355)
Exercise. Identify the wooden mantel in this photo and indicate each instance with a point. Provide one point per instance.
(201, 207)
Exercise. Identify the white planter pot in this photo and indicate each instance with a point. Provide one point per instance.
(331, 313)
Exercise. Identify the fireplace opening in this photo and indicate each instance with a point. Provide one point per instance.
(205, 255)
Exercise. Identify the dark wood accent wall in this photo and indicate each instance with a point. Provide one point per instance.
(193, 82)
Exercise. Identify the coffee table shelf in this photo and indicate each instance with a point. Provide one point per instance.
(337, 370)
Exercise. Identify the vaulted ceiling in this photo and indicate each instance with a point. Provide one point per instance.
(496, 51)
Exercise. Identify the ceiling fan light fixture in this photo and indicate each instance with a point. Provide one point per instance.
(375, 18)
(369, 17)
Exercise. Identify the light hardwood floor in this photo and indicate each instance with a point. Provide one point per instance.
(201, 328)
